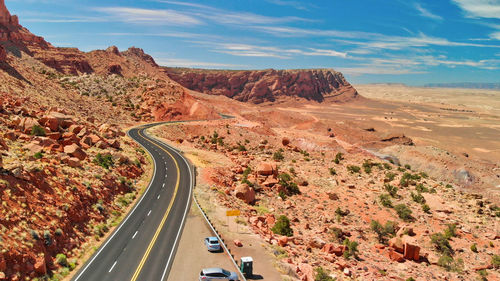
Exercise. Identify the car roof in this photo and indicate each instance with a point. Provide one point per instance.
(212, 239)
(213, 270)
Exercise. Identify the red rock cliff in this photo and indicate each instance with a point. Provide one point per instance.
(267, 85)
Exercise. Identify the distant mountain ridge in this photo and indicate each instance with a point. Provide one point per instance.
(466, 85)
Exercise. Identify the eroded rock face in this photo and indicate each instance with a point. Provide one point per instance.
(3, 54)
(267, 85)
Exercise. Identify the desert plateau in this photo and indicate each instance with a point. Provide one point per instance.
(116, 164)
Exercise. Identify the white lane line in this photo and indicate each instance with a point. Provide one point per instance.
(158, 197)
(112, 267)
(149, 213)
(135, 234)
(163, 185)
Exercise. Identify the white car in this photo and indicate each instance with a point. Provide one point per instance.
(212, 244)
(217, 274)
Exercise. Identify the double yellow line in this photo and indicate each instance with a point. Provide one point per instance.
(165, 216)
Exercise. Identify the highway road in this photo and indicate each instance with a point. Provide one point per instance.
(143, 246)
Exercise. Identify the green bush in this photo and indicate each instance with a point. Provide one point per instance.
(332, 171)
(105, 161)
(322, 275)
(61, 259)
(441, 244)
(278, 155)
(392, 190)
(403, 212)
(421, 188)
(426, 208)
(387, 166)
(448, 263)
(38, 131)
(473, 248)
(383, 231)
(338, 158)
(390, 176)
(282, 227)
(385, 200)
(418, 198)
(341, 213)
(38, 155)
(495, 261)
(286, 181)
(351, 249)
(337, 234)
(450, 231)
(408, 167)
(353, 169)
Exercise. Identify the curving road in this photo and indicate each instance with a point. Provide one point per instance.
(143, 246)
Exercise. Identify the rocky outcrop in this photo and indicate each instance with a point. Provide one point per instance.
(267, 85)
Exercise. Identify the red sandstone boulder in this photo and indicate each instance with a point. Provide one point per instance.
(3, 54)
(267, 169)
(395, 256)
(50, 122)
(397, 244)
(33, 147)
(411, 250)
(285, 141)
(75, 151)
(245, 193)
(238, 243)
(283, 241)
(26, 124)
(40, 266)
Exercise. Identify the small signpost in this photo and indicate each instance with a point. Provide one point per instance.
(232, 213)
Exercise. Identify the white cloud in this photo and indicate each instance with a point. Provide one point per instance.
(247, 50)
(426, 13)
(149, 16)
(193, 64)
(480, 8)
(294, 4)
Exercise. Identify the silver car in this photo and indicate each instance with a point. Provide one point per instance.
(217, 274)
(212, 244)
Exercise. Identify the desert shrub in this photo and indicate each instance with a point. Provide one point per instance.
(407, 167)
(417, 197)
(448, 263)
(286, 181)
(392, 190)
(47, 238)
(332, 171)
(322, 275)
(495, 261)
(282, 227)
(338, 158)
(421, 188)
(61, 259)
(383, 231)
(341, 213)
(426, 208)
(34, 235)
(367, 166)
(410, 279)
(337, 234)
(450, 231)
(278, 155)
(441, 244)
(449, 186)
(390, 176)
(353, 169)
(473, 248)
(385, 200)
(351, 249)
(38, 155)
(38, 131)
(424, 175)
(58, 232)
(403, 212)
(104, 160)
(240, 147)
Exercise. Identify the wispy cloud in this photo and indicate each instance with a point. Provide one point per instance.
(149, 16)
(294, 4)
(247, 50)
(193, 64)
(222, 16)
(480, 8)
(426, 13)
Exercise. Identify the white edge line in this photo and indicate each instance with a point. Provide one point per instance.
(137, 231)
(128, 216)
(149, 213)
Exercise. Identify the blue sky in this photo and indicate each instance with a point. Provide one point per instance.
(399, 41)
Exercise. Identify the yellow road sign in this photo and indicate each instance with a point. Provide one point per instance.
(233, 213)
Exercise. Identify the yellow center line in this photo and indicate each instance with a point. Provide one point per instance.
(165, 216)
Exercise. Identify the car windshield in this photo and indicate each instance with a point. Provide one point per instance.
(226, 272)
(214, 242)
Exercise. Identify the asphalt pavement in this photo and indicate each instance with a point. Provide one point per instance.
(143, 246)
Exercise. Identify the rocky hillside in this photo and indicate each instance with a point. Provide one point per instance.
(267, 85)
